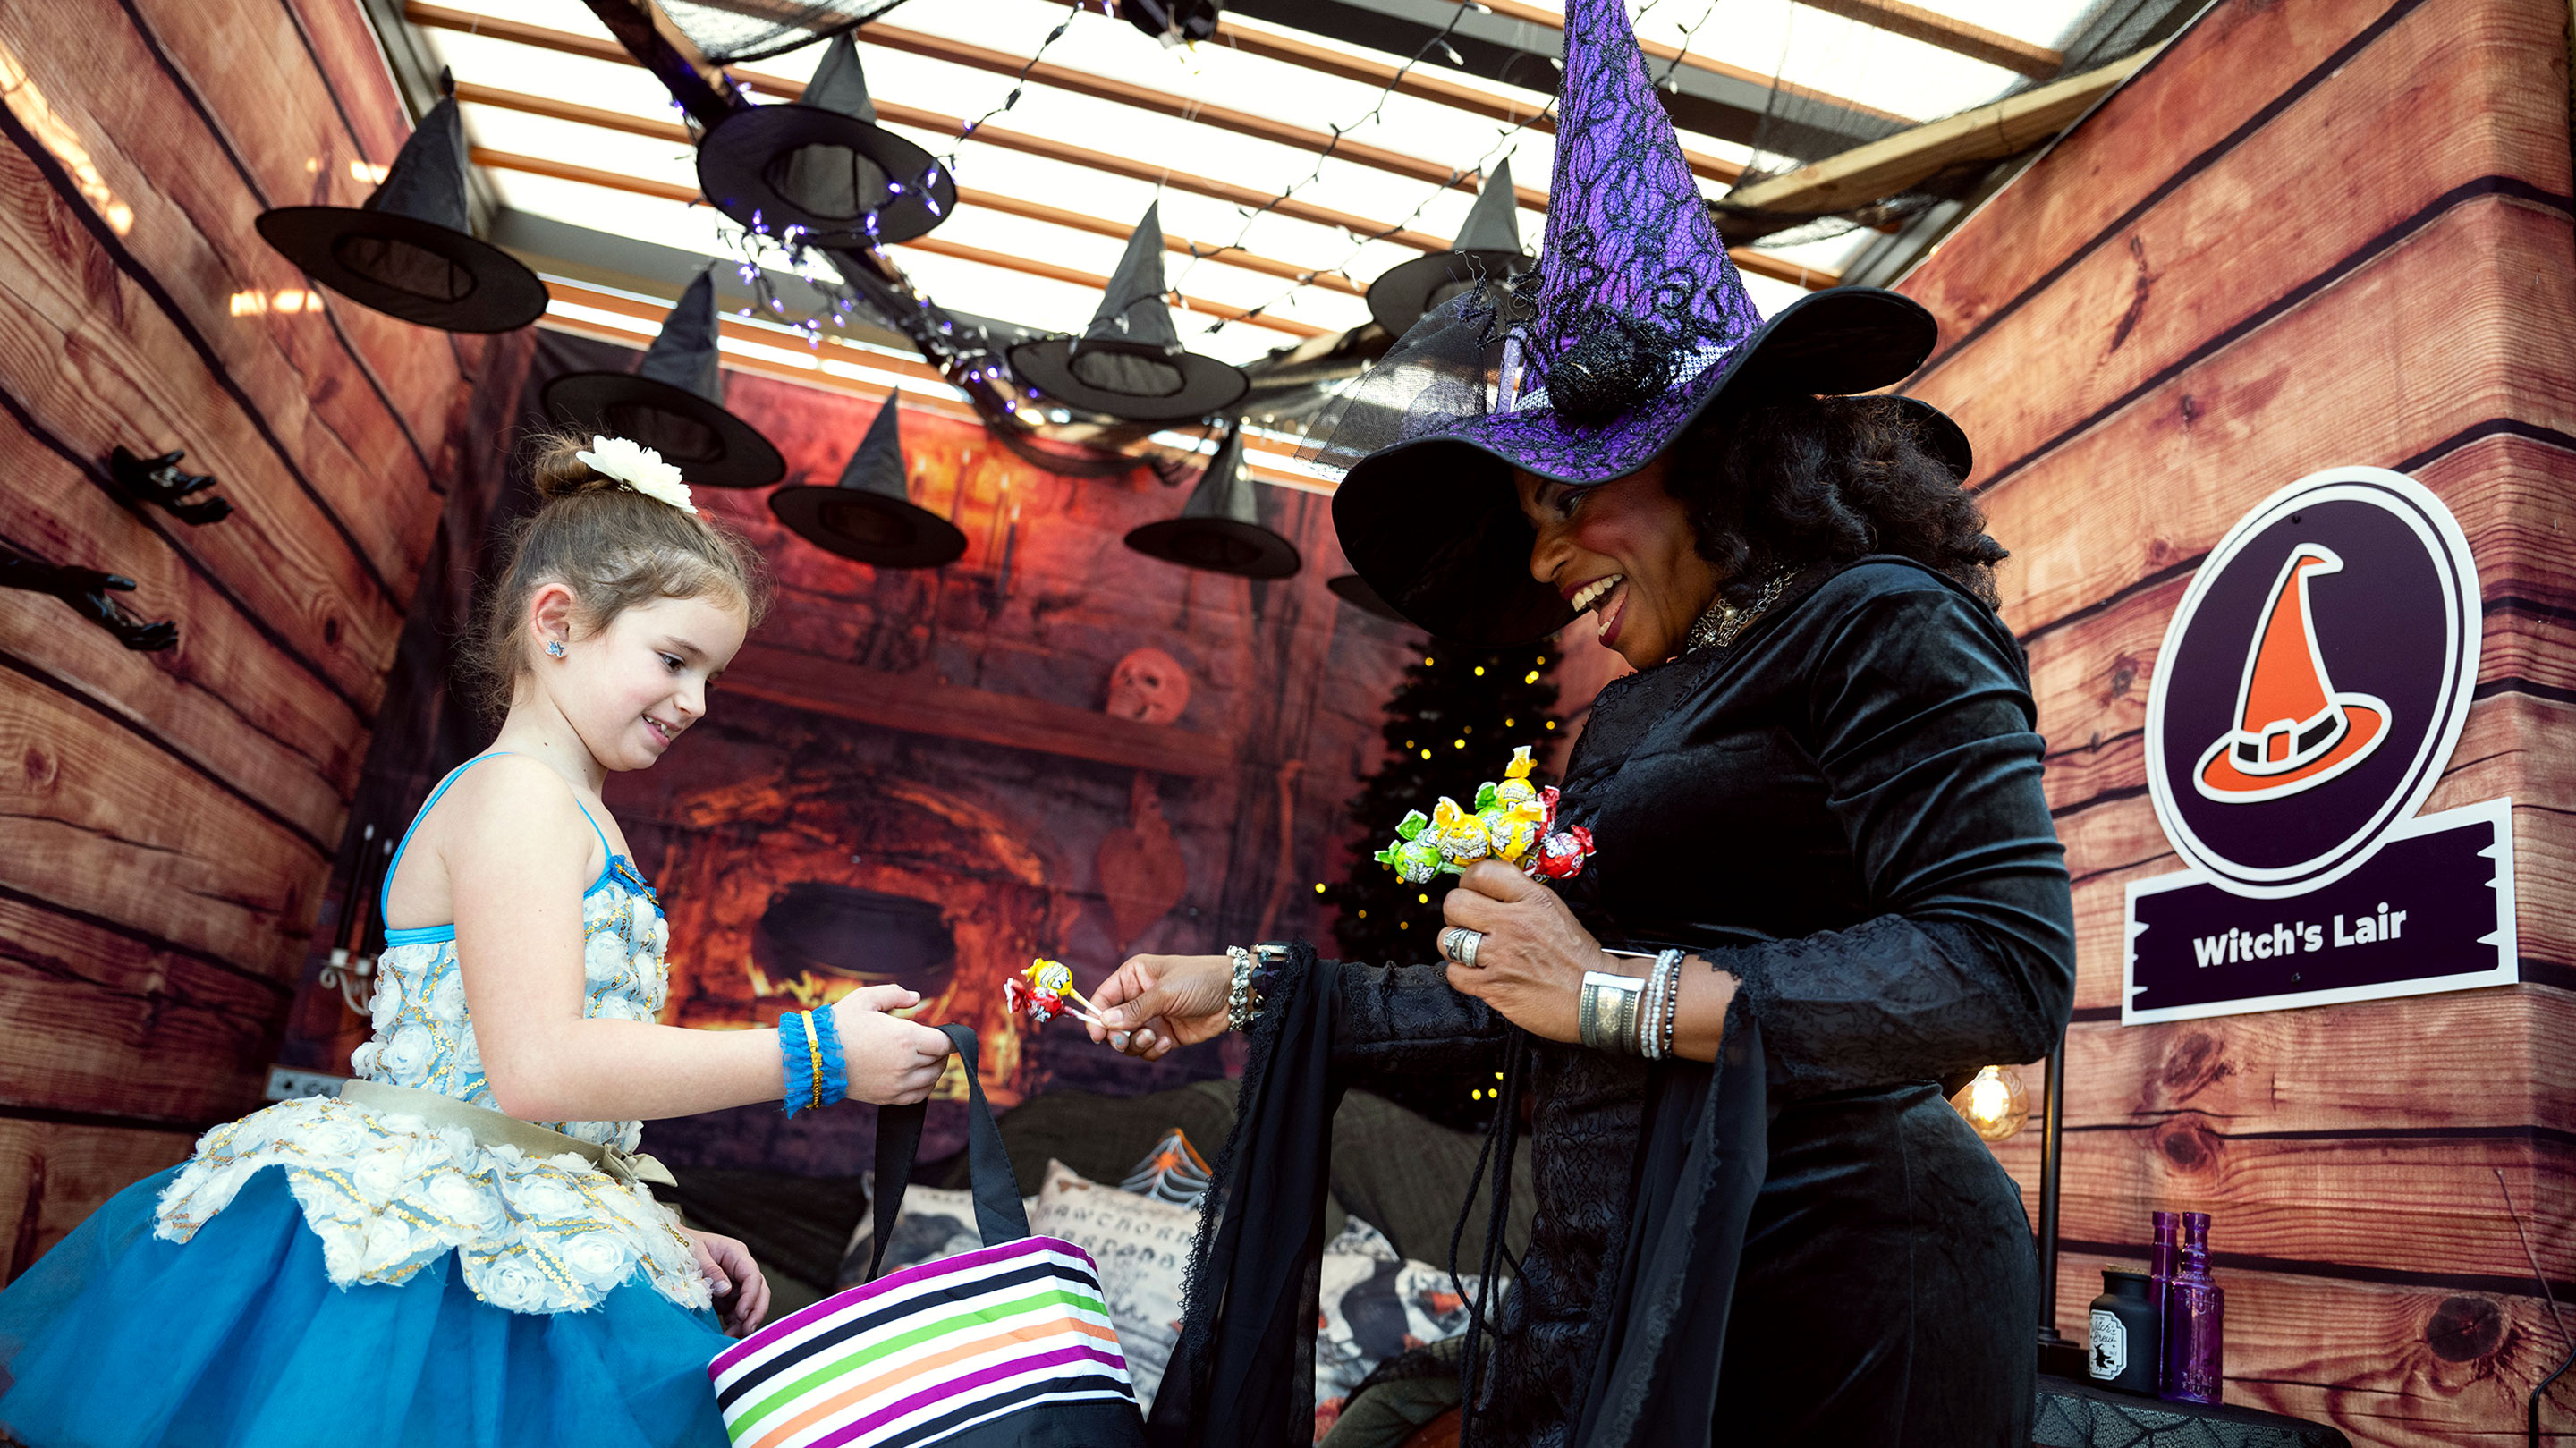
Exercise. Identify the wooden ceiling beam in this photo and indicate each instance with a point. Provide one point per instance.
(657, 129)
(649, 315)
(1976, 42)
(560, 42)
(1029, 266)
(1882, 168)
(1757, 262)
(1146, 98)
(1421, 84)
(1178, 245)
(1540, 15)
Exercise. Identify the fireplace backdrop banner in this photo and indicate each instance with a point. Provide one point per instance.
(1054, 746)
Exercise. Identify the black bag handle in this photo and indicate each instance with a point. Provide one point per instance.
(999, 1217)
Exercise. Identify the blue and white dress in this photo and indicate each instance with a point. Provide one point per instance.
(328, 1274)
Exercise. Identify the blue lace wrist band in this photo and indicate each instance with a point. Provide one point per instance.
(835, 1083)
(796, 1063)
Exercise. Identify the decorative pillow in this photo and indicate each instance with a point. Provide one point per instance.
(1172, 1172)
(1143, 1248)
(934, 1223)
(1376, 1304)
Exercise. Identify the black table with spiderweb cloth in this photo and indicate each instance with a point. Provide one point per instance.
(2076, 1414)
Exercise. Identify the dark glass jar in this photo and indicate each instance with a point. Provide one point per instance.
(2127, 1331)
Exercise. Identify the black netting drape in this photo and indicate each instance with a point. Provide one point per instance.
(729, 32)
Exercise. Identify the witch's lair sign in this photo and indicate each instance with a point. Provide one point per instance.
(2310, 691)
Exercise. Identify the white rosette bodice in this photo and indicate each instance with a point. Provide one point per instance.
(389, 1192)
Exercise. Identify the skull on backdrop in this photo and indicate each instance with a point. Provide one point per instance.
(1148, 686)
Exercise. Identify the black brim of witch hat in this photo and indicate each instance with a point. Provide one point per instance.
(402, 266)
(1352, 589)
(1399, 297)
(738, 160)
(1218, 545)
(1203, 386)
(869, 527)
(711, 447)
(1434, 525)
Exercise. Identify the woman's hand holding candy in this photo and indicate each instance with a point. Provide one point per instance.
(1157, 1002)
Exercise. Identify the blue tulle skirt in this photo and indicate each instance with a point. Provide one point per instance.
(237, 1339)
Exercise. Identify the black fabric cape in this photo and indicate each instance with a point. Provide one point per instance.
(1243, 1372)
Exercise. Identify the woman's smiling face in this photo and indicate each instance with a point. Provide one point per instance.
(1622, 551)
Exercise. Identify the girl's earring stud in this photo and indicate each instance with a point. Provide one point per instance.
(554, 648)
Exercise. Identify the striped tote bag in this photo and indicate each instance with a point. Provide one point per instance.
(1007, 1346)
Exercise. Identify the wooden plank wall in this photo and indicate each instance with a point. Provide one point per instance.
(2314, 233)
(168, 820)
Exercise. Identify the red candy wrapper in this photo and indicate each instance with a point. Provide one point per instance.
(1560, 856)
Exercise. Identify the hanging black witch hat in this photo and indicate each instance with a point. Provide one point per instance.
(409, 250)
(871, 516)
(823, 164)
(1487, 248)
(674, 402)
(1129, 363)
(1220, 526)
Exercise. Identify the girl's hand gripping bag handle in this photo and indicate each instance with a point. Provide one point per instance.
(1007, 1346)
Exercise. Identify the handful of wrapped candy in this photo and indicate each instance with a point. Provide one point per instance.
(1042, 991)
(1514, 821)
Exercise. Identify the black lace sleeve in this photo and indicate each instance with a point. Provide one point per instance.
(1405, 1018)
(1920, 718)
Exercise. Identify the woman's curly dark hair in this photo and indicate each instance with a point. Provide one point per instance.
(1790, 481)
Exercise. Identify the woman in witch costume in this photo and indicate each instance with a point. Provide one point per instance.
(1826, 891)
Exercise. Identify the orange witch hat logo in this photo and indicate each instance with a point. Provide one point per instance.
(2293, 731)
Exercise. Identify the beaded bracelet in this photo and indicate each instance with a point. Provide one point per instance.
(1649, 1016)
(825, 1030)
(1658, 1026)
(1238, 997)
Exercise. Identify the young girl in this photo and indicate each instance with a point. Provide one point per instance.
(419, 1261)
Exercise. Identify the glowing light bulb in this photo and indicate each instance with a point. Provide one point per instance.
(1994, 1103)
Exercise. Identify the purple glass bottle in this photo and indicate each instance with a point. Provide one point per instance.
(2195, 1319)
(2159, 1277)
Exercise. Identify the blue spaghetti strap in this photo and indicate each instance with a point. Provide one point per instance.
(420, 934)
(605, 848)
(385, 891)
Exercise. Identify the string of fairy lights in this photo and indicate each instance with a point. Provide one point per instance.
(753, 246)
(1503, 147)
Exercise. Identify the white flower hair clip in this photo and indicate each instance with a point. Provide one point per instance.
(640, 468)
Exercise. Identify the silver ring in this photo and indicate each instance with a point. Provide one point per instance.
(1467, 942)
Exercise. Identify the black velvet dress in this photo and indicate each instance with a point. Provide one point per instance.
(1843, 810)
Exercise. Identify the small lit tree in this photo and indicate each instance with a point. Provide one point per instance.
(1451, 726)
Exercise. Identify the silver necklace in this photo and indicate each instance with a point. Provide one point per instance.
(1723, 621)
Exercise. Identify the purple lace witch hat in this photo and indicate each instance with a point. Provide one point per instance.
(1633, 322)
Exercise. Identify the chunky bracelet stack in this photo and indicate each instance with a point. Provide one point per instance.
(1630, 1015)
(1238, 997)
(809, 1056)
(1257, 971)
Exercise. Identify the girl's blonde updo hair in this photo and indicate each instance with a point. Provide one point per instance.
(614, 547)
